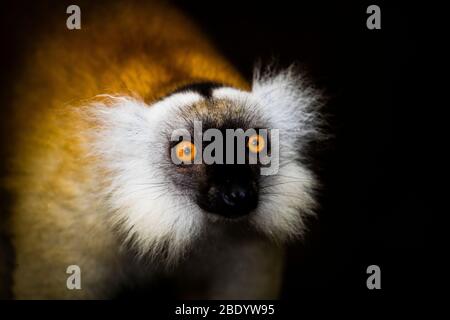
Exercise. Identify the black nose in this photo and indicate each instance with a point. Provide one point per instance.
(233, 201)
(236, 197)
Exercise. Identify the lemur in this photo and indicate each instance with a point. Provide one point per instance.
(91, 169)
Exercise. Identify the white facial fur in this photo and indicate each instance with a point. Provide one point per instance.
(160, 221)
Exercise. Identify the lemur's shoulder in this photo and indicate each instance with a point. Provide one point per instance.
(144, 49)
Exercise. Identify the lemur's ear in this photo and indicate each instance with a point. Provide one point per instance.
(292, 105)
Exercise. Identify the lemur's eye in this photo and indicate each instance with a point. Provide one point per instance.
(185, 151)
(256, 143)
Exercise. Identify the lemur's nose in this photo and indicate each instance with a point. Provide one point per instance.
(230, 191)
(236, 196)
(237, 200)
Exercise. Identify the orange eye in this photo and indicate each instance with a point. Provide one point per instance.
(185, 151)
(256, 143)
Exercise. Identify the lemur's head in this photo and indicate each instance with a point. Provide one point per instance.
(208, 154)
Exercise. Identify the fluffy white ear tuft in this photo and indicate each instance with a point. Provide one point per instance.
(291, 103)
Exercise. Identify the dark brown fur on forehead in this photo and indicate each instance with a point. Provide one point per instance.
(222, 114)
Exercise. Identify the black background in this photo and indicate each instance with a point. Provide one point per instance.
(373, 208)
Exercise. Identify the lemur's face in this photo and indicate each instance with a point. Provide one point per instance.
(223, 186)
(169, 176)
